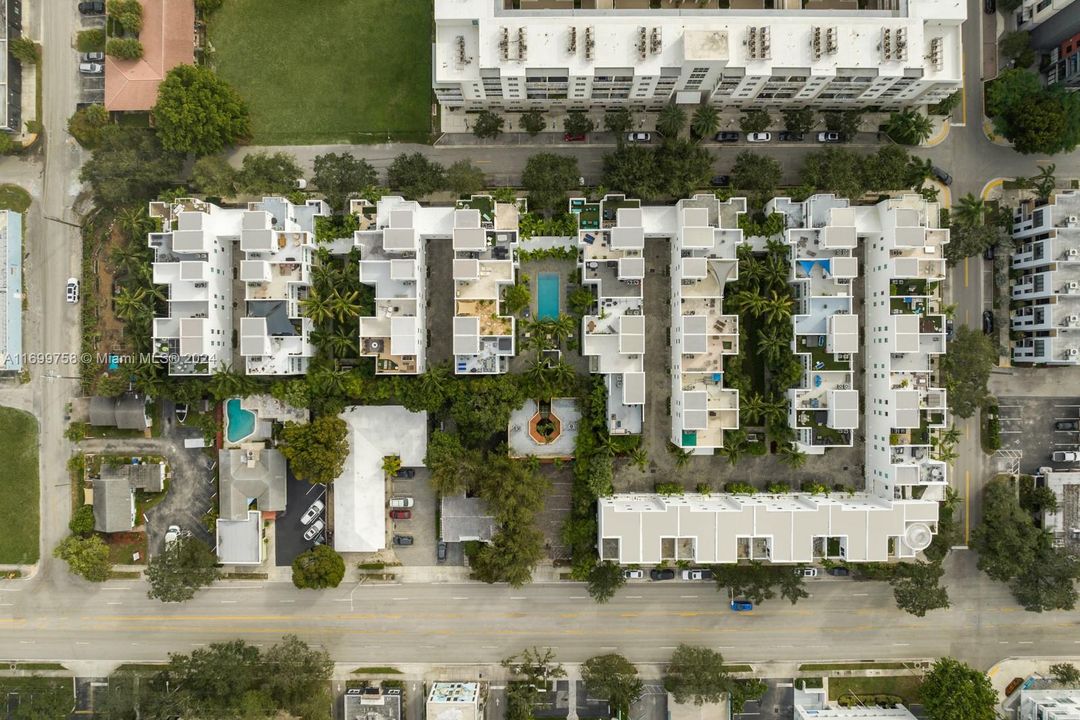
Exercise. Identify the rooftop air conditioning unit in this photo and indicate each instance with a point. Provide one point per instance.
(1073, 352)
(572, 47)
(1074, 286)
(1070, 221)
(1074, 319)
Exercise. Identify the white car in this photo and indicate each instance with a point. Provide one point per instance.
(172, 535)
(91, 68)
(300, 183)
(759, 137)
(313, 531)
(828, 137)
(312, 512)
(1066, 456)
(639, 137)
(633, 574)
(806, 572)
(72, 290)
(401, 502)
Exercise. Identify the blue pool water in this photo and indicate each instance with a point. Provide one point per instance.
(547, 296)
(241, 422)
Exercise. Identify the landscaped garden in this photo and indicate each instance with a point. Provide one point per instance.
(321, 71)
(18, 487)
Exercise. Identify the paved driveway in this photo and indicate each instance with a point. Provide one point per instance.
(1027, 425)
(288, 531)
(421, 526)
(778, 702)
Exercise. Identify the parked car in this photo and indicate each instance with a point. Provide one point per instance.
(950, 330)
(87, 68)
(312, 512)
(828, 137)
(839, 571)
(726, 136)
(806, 571)
(1066, 425)
(403, 540)
(633, 574)
(661, 574)
(72, 290)
(316, 528)
(440, 553)
(181, 412)
(741, 605)
(1066, 456)
(573, 137)
(92, 57)
(988, 253)
(988, 321)
(790, 137)
(759, 137)
(92, 7)
(172, 535)
(990, 6)
(407, 473)
(401, 514)
(401, 502)
(638, 137)
(720, 180)
(697, 574)
(944, 177)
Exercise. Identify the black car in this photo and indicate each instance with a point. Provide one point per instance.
(403, 539)
(661, 574)
(405, 473)
(441, 552)
(950, 330)
(990, 6)
(790, 137)
(720, 181)
(944, 177)
(1066, 425)
(988, 322)
(839, 571)
(988, 253)
(92, 7)
(727, 136)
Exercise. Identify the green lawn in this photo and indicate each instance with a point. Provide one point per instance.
(18, 487)
(13, 197)
(324, 71)
(904, 686)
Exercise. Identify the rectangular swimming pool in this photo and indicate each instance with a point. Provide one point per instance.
(547, 296)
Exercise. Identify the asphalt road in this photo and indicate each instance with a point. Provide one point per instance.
(843, 619)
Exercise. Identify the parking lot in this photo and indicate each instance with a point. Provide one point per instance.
(778, 702)
(421, 526)
(1027, 426)
(288, 530)
(91, 84)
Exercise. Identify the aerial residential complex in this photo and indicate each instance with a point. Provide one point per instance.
(705, 236)
(817, 53)
(895, 515)
(193, 257)
(824, 411)
(1048, 289)
(612, 239)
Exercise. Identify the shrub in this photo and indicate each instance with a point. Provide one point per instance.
(668, 488)
(778, 488)
(86, 124)
(124, 48)
(25, 50)
(90, 40)
(82, 521)
(739, 488)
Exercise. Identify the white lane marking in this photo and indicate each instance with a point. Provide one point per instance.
(1025, 642)
(1003, 642)
(860, 594)
(116, 589)
(80, 642)
(342, 600)
(286, 601)
(688, 597)
(517, 597)
(667, 647)
(901, 644)
(579, 597)
(401, 598)
(228, 602)
(458, 597)
(114, 602)
(633, 597)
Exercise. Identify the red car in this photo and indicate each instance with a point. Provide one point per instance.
(567, 137)
(401, 514)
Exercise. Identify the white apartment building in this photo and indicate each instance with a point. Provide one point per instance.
(490, 56)
(704, 240)
(1061, 704)
(1049, 287)
(895, 516)
(611, 237)
(193, 259)
(391, 241)
(485, 237)
(824, 411)
(814, 704)
(278, 242)
(1064, 522)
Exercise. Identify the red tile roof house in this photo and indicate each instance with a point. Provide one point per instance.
(168, 40)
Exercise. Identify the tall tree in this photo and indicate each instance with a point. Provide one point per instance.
(696, 674)
(464, 178)
(684, 166)
(916, 587)
(198, 112)
(415, 175)
(671, 121)
(755, 121)
(1006, 539)
(262, 172)
(965, 370)
(705, 121)
(316, 451)
(952, 690)
(318, 568)
(339, 175)
(548, 178)
(213, 175)
(578, 123)
(184, 566)
(604, 579)
(798, 120)
(618, 121)
(88, 557)
(129, 166)
(533, 122)
(633, 169)
(487, 124)
(909, 127)
(1048, 583)
(613, 678)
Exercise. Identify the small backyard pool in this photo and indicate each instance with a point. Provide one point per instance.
(239, 422)
(547, 296)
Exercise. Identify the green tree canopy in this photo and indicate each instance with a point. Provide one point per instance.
(684, 166)
(127, 14)
(799, 120)
(213, 175)
(1066, 674)
(128, 48)
(835, 170)
(262, 172)
(487, 124)
(533, 122)
(756, 173)
(88, 557)
(633, 169)
(316, 451)
(671, 121)
(909, 127)
(86, 125)
(129, 166)
(415, 175)
(1048, 583)
(198, 112)
(1034, 118)
(965, 370)
(846, 122)
(955, 691)
(578, 123)
(1016, 46)
(604, 579)
(1006, 539)
(696, 674)
(180, 569)
(916, 587)
(82, 521)
(705, 121)
(318, 568)
(548, 178)
(464, 178)
(755, 121)
(618, 121)
(613, 678)
(339, 175)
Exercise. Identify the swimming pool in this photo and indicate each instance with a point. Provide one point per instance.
(547, 296)
(241, 422)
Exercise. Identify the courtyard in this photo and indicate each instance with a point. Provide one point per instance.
(314, 71)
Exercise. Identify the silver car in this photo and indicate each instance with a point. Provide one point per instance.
(313, 531)
(312, 512)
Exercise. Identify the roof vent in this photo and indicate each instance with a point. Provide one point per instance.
(918, 536)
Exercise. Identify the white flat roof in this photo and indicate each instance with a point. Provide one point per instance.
(375, 431)
(239, 542)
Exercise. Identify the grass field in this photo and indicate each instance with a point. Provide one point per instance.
(18, 487)
(905, 686)
(325, 71)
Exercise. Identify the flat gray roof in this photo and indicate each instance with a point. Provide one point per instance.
(239, 542)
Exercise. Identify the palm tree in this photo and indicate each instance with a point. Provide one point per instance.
(746, 301)
(950, 436)
(436, 381)
(345, 305)
(129, 303)
(682, 457)
(561, 374)
(774, 270)
(391, 464)
(1045, 182)
(791, 457)
(640, 458)
(751, 406)
(919, 169)
(734, 445)
(540, 381)
(134, 223)
(771, 344)
(336, 344)
(607, 446)
(147, 379)
(909, 127)
(562, 328)
(328, 383)
(226, 383)
(127, 255)
(774, 410)
(945, 453)
(969, 211)
(317, 307)
(671, 121)
(705, 122)
(777, 308)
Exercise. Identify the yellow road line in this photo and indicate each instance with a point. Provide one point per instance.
(967, 506)
(965, 272)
